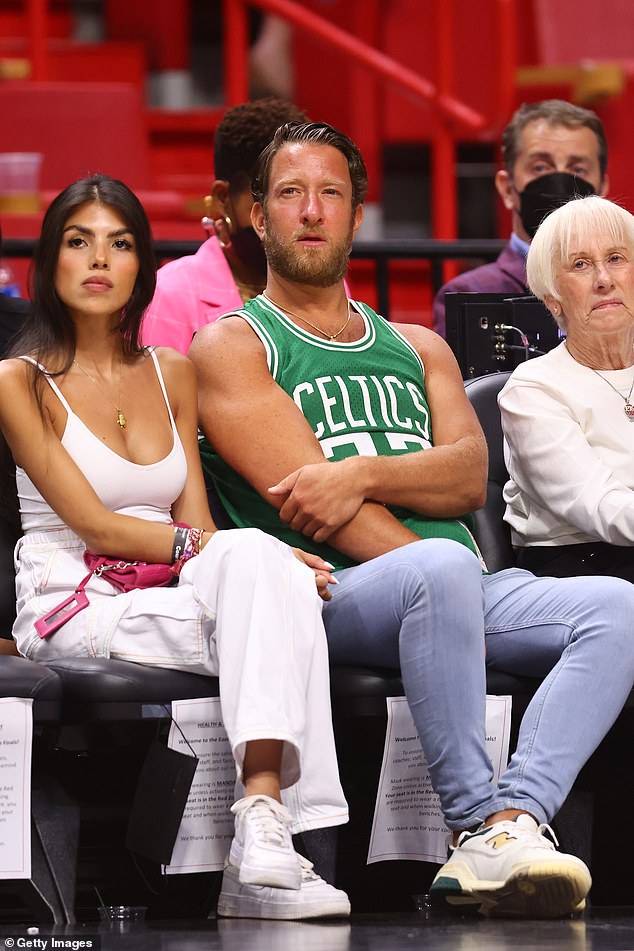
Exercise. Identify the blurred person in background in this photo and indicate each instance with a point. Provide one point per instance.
(12, 313)
(552, 152)
(271, 57)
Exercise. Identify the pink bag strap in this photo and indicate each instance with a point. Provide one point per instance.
(61, 613)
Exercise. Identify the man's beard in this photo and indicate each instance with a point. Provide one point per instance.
(313, 266)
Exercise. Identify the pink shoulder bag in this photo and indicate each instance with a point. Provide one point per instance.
(124, 575)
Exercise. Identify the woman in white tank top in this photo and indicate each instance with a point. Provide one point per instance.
(104, 436)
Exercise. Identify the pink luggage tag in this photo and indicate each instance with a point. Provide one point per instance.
(63, 612)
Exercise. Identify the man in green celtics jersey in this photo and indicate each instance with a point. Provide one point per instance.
(339, 432)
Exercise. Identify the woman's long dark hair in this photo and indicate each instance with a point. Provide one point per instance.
(49, 331)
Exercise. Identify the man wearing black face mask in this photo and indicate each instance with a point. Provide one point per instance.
(552, 152)
(230, 267)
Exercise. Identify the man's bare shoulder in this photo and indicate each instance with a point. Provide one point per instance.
(229, 335)
(426, 342)
(228, 353)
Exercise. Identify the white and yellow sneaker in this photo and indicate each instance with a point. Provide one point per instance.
(512, 869)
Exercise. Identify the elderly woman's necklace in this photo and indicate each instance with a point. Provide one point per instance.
(121, 417)
(629, 407)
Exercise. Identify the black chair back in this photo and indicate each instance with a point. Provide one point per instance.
(492, 533)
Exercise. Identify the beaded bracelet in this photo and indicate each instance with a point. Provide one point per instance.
(192, 547)
(195, 540)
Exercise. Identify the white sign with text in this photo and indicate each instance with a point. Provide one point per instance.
(16, 735)
(408, 822)
(206, 829)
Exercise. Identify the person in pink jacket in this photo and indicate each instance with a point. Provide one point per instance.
(229, 267)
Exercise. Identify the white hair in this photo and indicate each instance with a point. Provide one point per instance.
(565, 230)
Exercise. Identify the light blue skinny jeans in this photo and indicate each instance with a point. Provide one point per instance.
(427, 608)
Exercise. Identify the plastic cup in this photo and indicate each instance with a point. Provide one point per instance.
(122, 912)
(20, 182)
(423, 905)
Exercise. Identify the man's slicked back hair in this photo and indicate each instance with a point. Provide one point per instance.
(311, 133)
(242, 134)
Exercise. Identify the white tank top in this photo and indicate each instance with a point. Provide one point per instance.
(145, 491)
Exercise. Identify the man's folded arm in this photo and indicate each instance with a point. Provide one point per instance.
(443, 481)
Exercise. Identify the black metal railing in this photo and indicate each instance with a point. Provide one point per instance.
(381, 252)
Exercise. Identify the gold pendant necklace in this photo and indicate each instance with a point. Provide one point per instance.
(628, 409)
(305, 320)
(121, 417)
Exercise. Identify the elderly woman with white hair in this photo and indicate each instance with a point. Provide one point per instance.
(568, 416)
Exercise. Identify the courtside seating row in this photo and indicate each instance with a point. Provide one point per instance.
(86, 690)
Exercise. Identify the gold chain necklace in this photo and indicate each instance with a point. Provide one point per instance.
(628, 409)
(121, 418)
(324, 333)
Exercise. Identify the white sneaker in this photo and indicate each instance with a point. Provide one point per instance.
(262, 847)
(511, 869)
(314, 899)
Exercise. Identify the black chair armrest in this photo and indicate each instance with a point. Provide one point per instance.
(20, 677)
(104, 688)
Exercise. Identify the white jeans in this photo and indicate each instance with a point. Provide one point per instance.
(245, 609)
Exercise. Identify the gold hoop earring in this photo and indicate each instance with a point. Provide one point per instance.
(206, 221)
(219, 226)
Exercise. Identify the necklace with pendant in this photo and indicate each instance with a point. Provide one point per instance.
(120, 417)
(628, 409)
(305, 320)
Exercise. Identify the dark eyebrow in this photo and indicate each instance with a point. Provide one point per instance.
(91, 234)
(540, 155)
(547, 156)
(297, 180)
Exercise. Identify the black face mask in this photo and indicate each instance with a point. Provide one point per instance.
(544, 194)
(249, 249)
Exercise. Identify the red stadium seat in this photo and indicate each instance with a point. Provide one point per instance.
(79, 128)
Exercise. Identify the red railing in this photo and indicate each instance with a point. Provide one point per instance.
(455, 118)
(38, 32)
(379, 63)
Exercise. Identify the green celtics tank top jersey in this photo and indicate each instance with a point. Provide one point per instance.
(365, 398)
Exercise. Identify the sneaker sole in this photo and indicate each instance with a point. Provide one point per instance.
(546, 890)
(240, 907)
